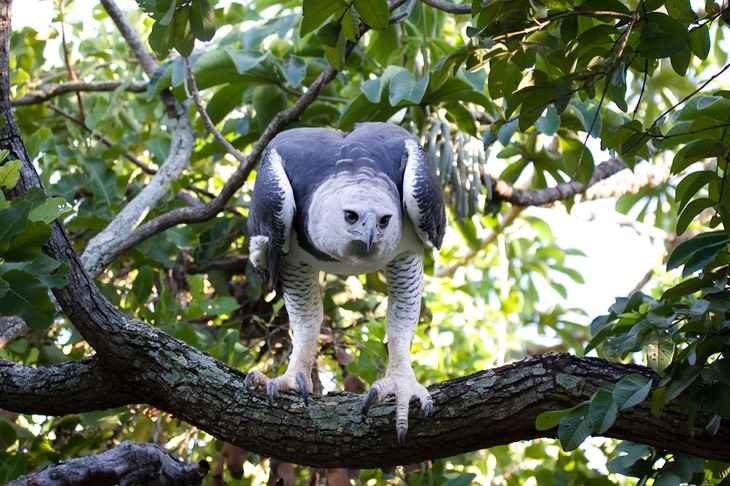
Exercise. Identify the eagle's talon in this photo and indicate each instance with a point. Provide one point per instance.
(270, 392)
(428, 409)
(370, 399)
(402, 435)
(303, 387)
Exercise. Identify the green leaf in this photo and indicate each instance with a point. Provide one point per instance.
(713, 240)
(691, 184)
(8, 436)
(52, 208)
(404, 87)
(13, 220)
(548, 420)
(27, 244)
(10, 173)
(631, 390)
(695, 151)
(336, 55)
(463, 479)
(699, 41)
(184, 39)
(295, 71)
(329, 34)
(142, 286)
(659, 349)
(27, 299)
(315, 12)
(202, 20)
(662, 36)
(603, 410)
(680, 61)
(575, 428)
(374, 13)
(691, 211)
(681, 380)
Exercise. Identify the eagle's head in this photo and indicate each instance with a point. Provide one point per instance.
(355, 217)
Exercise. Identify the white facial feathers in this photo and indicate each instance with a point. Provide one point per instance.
(355, 217)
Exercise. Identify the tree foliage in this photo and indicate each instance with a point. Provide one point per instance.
(147, 163)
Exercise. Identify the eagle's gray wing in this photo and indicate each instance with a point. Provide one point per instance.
(270, 216)
(423, 200)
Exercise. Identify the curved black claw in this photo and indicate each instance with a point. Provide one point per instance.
(247, 381)
(428, 410)
(370, 398)
(302, 382)
(270, 393)
(402, 435)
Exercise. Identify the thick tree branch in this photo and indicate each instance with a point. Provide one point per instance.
(127, 464)
(12, 328)
(72, 387)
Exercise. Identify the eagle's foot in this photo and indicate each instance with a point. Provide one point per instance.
(291, 380)
(404, 387)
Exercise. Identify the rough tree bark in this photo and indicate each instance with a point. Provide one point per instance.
(137, 363)
(127, 464)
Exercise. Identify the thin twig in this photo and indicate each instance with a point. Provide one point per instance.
(195, 94)
(36, 96)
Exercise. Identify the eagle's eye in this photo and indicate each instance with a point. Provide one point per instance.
(351, 216)
(384, 221)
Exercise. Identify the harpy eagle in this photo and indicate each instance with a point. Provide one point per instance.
(347, 204)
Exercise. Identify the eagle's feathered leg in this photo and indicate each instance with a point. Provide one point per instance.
(300, 285)
(404, 277)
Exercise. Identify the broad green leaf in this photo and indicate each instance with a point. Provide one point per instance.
(548, 420)
(691, 211)
(711, 239)
(575, 428)
(10, 173)
(336, 55)
(691, 184)
(680, 61)
(659, 349)
(631, 390)
(699, 41)
(463, 479)
(329, 34)
(8, 436)
(184, 39)
(603, 410)
(142, 286)
(315, 12)
(374, 13)
(26, 245)
(695, 151)
(202, 19)
(404, 87)
(52, 208)
(681, 380)
(13, 220)
(662, 36)
(27, 299)
(295, 71)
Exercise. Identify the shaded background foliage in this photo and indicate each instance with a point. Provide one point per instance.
(527, 94)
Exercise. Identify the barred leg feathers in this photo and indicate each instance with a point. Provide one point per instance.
(404, 278)
(300, 284)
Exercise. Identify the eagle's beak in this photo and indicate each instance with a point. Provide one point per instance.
(369, 227)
